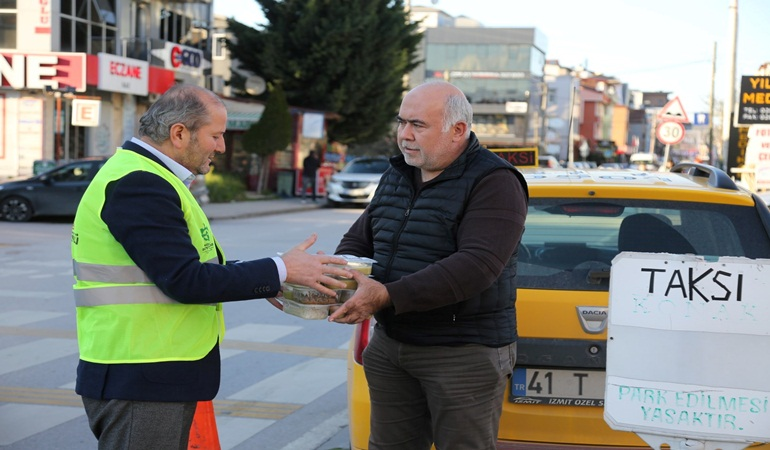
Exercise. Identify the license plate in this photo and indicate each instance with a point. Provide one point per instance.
(557, 387)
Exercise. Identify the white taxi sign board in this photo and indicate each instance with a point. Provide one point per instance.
(687, 349)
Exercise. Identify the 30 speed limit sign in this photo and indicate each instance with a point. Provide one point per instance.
(670, 132)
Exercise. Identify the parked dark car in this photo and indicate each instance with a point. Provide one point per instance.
(56, 192)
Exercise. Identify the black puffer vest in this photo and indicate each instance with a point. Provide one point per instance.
(412, 230)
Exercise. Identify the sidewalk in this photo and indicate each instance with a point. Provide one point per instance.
(255, 207)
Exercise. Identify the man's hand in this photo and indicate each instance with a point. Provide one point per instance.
(312, 270)
(370, 297)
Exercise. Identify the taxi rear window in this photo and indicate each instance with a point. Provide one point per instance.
(569, 244)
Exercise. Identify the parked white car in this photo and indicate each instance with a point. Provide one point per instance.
(356, 182)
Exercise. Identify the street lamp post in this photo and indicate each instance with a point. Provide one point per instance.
(58, 93)
(58, 154)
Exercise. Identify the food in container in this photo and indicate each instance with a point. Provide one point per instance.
(309, 303)
(305, 311)
(310, 296)
(359, 263)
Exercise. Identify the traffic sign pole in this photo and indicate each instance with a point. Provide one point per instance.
(665, 158)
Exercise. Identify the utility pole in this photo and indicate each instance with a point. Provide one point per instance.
(653, 134)
(730, 98)
(543, 146)
(712, 150)
(572, 99)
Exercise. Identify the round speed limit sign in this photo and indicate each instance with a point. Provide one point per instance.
(670, 132)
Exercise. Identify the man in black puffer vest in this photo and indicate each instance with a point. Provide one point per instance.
(444, 227)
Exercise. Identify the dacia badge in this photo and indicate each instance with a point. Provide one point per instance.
(593, 319)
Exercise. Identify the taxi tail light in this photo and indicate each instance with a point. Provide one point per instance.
(361, 340)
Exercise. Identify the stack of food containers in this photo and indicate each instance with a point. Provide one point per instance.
(308, 303)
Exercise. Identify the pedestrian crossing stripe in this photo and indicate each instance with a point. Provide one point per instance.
(66, 397)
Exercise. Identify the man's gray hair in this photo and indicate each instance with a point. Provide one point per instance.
(183, 104)
(456, 109)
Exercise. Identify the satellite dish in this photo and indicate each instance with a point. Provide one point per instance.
(255, 85)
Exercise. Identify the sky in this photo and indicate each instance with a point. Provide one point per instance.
(652, 45)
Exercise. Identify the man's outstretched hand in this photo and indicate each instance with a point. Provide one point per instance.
(313, 270)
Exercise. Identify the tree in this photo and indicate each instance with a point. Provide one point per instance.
(271, 134)
(344, 56)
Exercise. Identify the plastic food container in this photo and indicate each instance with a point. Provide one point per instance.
(359, 263)
(309, 296)
(305, 311)
(350, 284)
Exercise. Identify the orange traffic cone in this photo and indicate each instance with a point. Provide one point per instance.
(203, 433)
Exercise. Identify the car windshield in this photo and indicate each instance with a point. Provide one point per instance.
(367, 166)
(569, 244)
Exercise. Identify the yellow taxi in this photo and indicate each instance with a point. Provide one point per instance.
(578, 221)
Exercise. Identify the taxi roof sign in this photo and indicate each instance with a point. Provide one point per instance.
(673, 110)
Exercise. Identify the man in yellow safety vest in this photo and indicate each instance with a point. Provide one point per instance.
(150, 278)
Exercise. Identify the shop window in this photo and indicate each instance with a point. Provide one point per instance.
(88, 26)
(97, 40)
(66, 41)
(7, 30)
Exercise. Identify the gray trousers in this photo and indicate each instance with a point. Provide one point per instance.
(450, 396)
(132, 425)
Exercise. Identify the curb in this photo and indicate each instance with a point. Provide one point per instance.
(254, 209)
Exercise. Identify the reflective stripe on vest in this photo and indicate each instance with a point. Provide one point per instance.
(118, 295)
(109, 274)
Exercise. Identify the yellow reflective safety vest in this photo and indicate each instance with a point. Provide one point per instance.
(122, 317)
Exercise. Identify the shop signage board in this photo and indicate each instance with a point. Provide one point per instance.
(85, 112)
(126, 75)
(20, 70)
(685, 358)
(182, 58)
(754, 100)
(758, 154)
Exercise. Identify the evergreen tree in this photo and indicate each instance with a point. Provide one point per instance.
(344, 56)
(271, 134)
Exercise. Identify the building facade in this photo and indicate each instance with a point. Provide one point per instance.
(563, 110)
(500, 70)
(75, 75)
